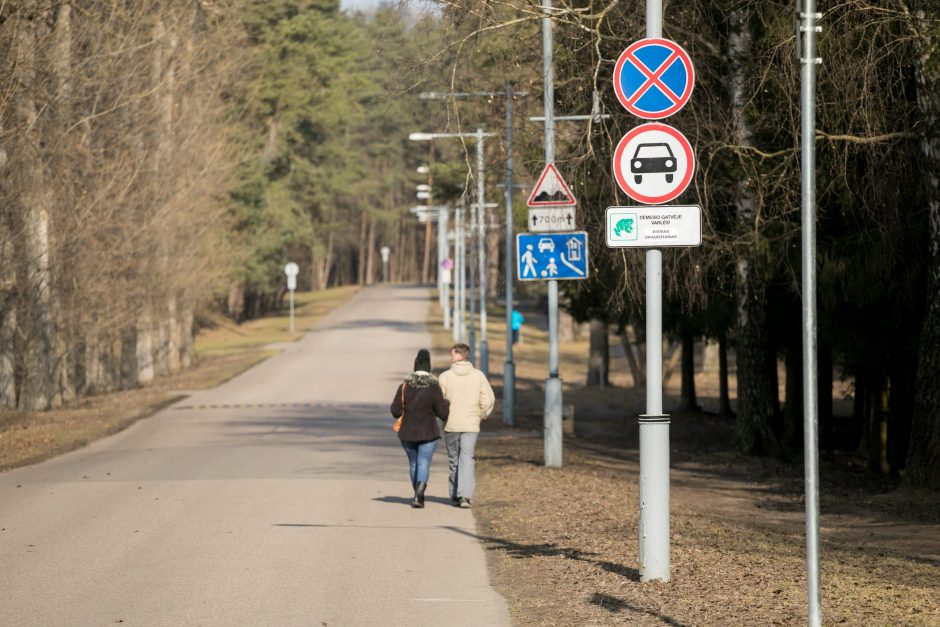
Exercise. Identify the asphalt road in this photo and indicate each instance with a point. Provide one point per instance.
(279, 498)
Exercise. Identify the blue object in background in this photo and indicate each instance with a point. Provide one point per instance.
(517, 320)
(546, 256)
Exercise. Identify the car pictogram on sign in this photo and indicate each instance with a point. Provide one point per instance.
(653, 163)
(546, 243)
(653, 159)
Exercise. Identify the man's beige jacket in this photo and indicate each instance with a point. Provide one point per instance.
(470, 395)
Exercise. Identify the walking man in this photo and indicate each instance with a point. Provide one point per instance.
(471, 401)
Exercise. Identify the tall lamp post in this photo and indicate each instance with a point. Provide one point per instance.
(479, 135)
(509, 380)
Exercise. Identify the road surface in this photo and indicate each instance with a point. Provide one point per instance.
(278, 498)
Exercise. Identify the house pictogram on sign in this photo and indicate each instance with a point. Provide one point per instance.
(551, 190)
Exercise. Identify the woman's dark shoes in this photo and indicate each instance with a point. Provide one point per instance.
(419, 495)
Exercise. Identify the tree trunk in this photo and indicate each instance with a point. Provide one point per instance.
(923, 464)
(635, 369)
(370, 256)
(756, 384)
(599, 354)
(29, 206)
(756, 392)
(687, 399)
(7, 311)
(793, 406)
(187, 344)
(901, 404)
(145, 341)
(493, 286)
(824, 387)
(363, 245)
(724, 397)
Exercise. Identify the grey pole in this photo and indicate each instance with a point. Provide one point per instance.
(810, 402)
(509, 368)
(471, 295)
(552, 416)
(458, 276)
(291, 311)
(443, 253)
(654, 425)
(484, 364)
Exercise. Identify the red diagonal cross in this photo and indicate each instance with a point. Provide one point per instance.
(652, 78)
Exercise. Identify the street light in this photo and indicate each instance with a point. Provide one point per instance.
(478, 136)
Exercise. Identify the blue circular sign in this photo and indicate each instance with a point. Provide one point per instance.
(653, 78)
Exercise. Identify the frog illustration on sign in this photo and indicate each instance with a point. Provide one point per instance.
(623, 227)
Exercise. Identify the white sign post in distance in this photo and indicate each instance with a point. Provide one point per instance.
(291, 270)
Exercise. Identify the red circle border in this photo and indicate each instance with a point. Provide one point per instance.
(683, 184)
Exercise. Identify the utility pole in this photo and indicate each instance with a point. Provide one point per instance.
(553, 396)
(809, 60)
(509, 368)
(459, 279)
(426, 266)
(483, 364)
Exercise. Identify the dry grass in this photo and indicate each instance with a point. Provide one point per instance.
(223, 351)
(562, 543)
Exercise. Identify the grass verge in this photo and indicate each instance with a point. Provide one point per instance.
(562, 544)
(223, 350)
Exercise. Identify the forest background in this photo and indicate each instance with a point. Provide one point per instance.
(163, 159)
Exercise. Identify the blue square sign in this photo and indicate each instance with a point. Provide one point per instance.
(548, 256)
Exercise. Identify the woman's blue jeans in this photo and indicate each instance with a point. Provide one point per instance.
(419, 460)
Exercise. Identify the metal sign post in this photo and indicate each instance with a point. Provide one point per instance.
(653, 164)
(386, 251)
(291, 270)
(484, 363)
(553, 394)
(509, 367)
(809, 60)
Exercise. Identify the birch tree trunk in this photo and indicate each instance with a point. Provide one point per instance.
(923, 464)
(32, 218)
(756, 391)
(7, 306)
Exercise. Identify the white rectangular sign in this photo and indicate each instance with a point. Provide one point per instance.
(542, 219)
(653, 227)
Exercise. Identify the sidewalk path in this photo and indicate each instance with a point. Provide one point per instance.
(279, 498)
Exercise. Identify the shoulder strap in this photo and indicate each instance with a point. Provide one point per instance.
(403, 399)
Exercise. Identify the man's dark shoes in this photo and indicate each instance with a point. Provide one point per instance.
(419, 495)
(464, 502)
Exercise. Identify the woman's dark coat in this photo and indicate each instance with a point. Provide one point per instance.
(423, 401)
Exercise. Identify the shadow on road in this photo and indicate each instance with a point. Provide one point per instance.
(518, 550)
(401, 500)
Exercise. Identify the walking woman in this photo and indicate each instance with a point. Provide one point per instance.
(419, 401)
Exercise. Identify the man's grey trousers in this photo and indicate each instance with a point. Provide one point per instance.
(461, 449)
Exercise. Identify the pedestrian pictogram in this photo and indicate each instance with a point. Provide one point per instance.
(653, 78)
(550, 256)
(551, 190)
(654, 163)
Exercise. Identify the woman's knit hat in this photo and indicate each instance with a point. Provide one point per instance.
(423, 361)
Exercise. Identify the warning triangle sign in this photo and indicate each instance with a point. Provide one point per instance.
(551, 190)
